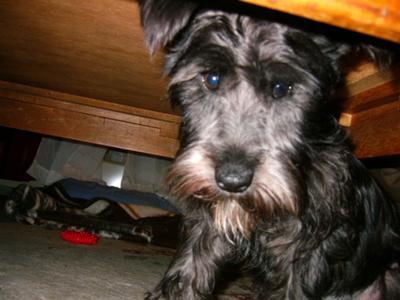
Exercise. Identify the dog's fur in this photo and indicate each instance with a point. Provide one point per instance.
(265, 174)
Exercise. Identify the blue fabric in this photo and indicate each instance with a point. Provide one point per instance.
(90, 190)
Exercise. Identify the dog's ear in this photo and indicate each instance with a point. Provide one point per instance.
(381, 56)
(163, 19)
(331, 49)
(337, 50)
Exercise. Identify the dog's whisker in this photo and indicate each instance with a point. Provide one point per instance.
(230, 218)
(272, 202)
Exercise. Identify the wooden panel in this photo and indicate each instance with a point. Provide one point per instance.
(84, 73)
(89, 48)
(369, 93)
(20, 91)
(377, 137)
(385, 107)
(379, 18)
(33, 109)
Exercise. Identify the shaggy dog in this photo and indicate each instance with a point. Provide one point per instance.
(265, 174)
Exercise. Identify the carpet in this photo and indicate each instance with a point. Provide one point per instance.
(37, 264)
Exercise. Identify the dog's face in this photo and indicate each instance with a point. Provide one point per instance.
(251, 92)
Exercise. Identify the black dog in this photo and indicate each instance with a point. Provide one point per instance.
(265, 174)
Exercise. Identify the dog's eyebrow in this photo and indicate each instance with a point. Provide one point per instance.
(209, 52)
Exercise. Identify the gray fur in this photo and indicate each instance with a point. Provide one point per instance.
(265, 174)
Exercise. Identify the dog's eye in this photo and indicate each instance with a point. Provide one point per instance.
(280, 90)
(211, 81)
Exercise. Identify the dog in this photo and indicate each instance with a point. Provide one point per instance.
(265, 175)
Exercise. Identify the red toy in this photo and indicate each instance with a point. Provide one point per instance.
(79, 237)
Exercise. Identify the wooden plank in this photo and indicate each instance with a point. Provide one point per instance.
(86, 128)
(369, 94)
(379, 18)
(108, 105)
(94, 49)
(168, 124)
(378, 137)
(370, 104)
(384, 108)
(71, 120)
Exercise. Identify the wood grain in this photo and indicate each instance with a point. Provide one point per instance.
(79, 70)
(377, 137)
(379, 18)
(33, 109)
(90, 48)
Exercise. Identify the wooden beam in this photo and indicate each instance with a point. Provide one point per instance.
(369, 94)
(379, 18)
(94, 49)
(62, 115)
(377, 137)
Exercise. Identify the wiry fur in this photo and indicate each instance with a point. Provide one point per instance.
(312, 224)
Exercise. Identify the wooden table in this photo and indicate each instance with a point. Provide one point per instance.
(78, 70)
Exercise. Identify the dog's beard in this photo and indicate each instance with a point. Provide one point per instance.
(191, 178)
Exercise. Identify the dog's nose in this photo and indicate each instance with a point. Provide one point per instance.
(234, 177)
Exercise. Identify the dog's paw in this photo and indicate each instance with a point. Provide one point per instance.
(174, 290)
(154, 295)
(169, 289)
